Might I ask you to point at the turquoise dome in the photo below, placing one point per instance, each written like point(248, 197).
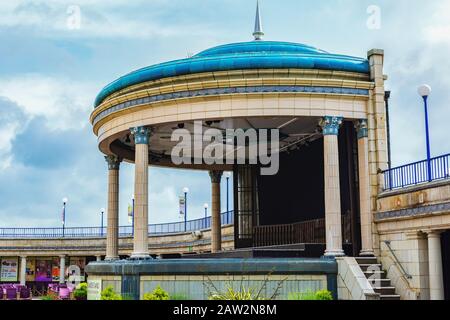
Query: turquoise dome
point(241, 56)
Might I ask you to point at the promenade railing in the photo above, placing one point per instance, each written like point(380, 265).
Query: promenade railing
point(124, 231)
point(417, 173)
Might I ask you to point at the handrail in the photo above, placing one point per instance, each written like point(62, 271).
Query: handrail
point(397, 261)
point(417, 173)
point(227, 218)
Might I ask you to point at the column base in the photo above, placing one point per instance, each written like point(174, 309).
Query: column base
point(334, 253)
point(112, 258)
point(367, 253)
point(140, 256)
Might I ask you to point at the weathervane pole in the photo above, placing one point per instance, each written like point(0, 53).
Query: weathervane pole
point(258, 34)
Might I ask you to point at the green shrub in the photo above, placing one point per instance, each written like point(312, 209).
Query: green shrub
point(157, 294)
point(49, 297)
point(319, 295)
point(232, 294)
point(80, 292)
point(178, 297)
point(324, 295)
point(109, 294)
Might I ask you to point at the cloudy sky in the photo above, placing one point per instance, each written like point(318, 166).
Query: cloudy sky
point(51, 71)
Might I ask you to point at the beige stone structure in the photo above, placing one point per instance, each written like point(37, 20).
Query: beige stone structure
point(216, 229)
point(338, 99)
point(112, 233)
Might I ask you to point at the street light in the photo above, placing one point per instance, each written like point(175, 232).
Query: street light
point(101, 225)
point(186, 191)
point(228, 175)
point(425, 91)
point(64, 200)
point(206, 214)
point(132, 215)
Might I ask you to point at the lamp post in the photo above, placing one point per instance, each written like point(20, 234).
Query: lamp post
point(206, 214)
point(228, 175)
point(64, 200)
point(132, 215)
point(185, 191)
point(102, 212)
point(425, 91)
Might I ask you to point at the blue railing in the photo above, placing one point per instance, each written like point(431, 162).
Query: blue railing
point(417, 173)
point(124, 231)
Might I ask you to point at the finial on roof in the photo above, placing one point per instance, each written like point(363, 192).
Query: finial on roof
point(258, 34)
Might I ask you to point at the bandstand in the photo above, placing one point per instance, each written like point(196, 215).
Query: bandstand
point(329, 110)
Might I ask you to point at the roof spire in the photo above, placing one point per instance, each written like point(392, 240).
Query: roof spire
point(258, 34)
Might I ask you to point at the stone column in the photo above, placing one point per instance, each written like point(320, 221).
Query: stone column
point(333, 221)
point(216, 225)
point(112, 231)
point(62, 269)
point(99, 258)
point(435, 266)
point(364, 189)
point(140, 244)
point(23, 270)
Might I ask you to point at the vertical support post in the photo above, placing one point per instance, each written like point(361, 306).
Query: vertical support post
point(333, 217)
point(140, 240)
point(216, 226)
point(112, 231)
point(62, 269)
point(436, 277)
point(364, 188)
point(23, 270)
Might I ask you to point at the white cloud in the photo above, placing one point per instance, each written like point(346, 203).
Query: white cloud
point(64, 103)
point(104, 19)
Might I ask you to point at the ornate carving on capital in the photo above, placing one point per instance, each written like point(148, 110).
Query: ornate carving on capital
point(330, 125)
point(141, 135)
point(362, 129)
point(113, 162)
point(216, 176)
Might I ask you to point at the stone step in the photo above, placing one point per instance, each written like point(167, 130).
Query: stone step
point(390, 297)
point(366, 260)
point(385, 291)
point(375, 274)
point(375, 266)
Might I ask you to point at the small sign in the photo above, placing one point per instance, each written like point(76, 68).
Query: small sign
point(182, 202)
point(9, 270)
point(94, 290)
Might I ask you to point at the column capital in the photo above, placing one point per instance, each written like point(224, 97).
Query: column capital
point(433, 233)
point(141, 134)
point(216, 176)
point(330, 125)
point(362, 128)
point(113, 162)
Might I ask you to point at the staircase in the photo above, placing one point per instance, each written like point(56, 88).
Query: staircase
point(370, 267)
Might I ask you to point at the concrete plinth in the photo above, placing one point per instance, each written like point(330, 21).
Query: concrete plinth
point(190, 278)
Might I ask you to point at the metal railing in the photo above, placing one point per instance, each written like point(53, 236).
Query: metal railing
point(124, 231)
point(417, 173)
point(311, 232)
point(397, 261)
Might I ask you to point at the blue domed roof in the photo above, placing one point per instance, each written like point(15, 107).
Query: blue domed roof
point(269, 47)
point(241, 56)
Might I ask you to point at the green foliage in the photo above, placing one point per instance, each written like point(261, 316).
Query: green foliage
point(243, 293)
point(157, 294)
point(49, 297)
point(232, 294)
point(178, 297)
point(324, 295)
point(80, 292)
point(319, 295)
point(109, 294)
